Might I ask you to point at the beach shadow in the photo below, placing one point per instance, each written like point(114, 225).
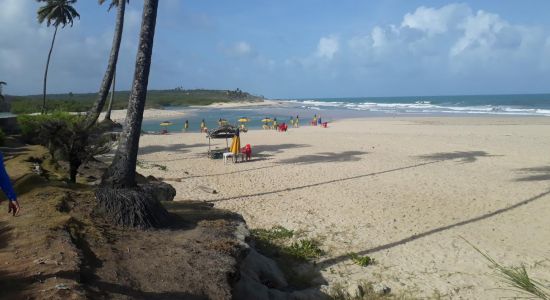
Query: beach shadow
point(461, 156)
point(5, 234)
point(111, 289)
point(264, 151)
point(324, 182)
point(187, 214)
point(539, 174)
point(325, 157)
point(181, 148)
point(488, 215)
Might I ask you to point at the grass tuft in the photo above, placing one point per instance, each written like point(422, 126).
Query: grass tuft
point(305, 249)
point(516, 277)
point(362, 261)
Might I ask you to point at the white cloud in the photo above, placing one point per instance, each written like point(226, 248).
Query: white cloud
point(435, 20)
point(239, 49)
point(328, 47)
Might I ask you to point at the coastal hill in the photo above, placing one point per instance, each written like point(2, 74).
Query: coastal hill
point(155, 99)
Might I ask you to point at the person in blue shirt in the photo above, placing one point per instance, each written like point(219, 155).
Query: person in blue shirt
point(5, 184)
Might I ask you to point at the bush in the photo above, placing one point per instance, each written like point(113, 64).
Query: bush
point(31, 125)
point(65, 137)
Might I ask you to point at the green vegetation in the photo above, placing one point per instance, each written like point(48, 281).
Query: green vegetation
point(517, 278)
point(155, 99)
point(65, 137)
point(294, 256)
point(362, 261)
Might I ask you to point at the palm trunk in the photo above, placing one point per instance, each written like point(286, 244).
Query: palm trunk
point(110, 107)
point(94, 112)
point(46, 72)
point(121, 173)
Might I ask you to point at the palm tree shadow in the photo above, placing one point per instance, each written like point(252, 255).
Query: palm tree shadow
point(263, 151)
point(488, 215)
point(325, 157)
point(461, 156)
point(540, 174)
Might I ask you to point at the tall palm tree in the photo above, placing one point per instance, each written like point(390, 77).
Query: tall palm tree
point(110, 106)
point(109, 76)
point(56, 13)
point(119, 197)
point(2, 83)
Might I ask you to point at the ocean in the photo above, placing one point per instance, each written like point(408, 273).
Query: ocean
point(331, 109)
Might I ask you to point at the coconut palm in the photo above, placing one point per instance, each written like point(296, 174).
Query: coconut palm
point(56, 13)
point(109, 77)
point(119, 196)
point(2, 83)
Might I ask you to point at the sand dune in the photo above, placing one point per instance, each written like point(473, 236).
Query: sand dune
point(402, 190)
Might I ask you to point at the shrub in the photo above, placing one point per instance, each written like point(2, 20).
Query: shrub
point(30, 125)
point(362, 261)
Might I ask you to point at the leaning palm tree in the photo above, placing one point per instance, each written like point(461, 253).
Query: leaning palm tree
point(119, 196)
point(2, 83)
point(109, 77)
point(56, 13)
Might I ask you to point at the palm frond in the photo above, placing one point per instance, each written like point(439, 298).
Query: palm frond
point(57, 12)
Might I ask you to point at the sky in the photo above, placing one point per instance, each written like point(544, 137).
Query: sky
point(293, 48)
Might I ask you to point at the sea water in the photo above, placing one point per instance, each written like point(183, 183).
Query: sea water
point(331, 109)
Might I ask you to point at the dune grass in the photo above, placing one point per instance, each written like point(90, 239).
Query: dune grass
point(516, 277)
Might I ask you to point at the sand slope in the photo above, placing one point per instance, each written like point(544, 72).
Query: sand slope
point(400, 190)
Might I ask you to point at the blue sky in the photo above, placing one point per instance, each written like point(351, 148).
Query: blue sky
point(294, 48)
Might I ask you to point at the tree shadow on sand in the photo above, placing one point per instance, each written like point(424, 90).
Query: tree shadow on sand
point(338, 259)
point(538, 174)
point(180, 148)
point(264, 151)
point(325, 157)
point(461, 156)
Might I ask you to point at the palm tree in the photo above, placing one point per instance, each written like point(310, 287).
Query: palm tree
point(2, 83)
point(109, 77)
point(110, 107)
point(119, 196)
point(56, 13)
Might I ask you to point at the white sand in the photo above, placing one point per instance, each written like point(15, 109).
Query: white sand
point(362, 186)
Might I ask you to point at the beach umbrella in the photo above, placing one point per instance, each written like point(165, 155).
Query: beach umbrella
point(266, 120)
point(166, 124)
point(244, 120)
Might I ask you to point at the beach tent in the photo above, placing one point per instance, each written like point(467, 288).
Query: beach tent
point(222, 132)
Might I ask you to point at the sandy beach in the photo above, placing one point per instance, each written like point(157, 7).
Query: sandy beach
point(401, 190)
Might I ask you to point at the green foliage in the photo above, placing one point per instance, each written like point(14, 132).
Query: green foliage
point(275, 233)
point(517, 278)
point(66, 138)
point(30, 125)
point(57, 12)
point(362, 261)
point(2, 137)
point(155, 99)
point(293, 257)
point(305, 250)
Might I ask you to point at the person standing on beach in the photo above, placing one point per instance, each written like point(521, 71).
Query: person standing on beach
point(7, 188)
point(319, 120)
point(297, 121)
point(275, 123)
point(291, 121)
point(203, 125)
point(186, 125)
point(314, 123)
